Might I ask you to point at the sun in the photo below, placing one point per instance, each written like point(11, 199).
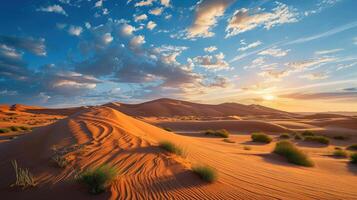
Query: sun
point(269, 97)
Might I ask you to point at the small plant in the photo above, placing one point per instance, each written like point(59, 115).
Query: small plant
point(340, 153)
point(24, 128)
point(307, 133)
point(292, 153)
point(206, 173)
point(284, 136)
point(228, 140)
point(218, 133)
point(340, 137)
point(248, 148)
point(60, 161)
point(98, 179)
point(23, 176)
point(171, 147)
point(168, 129)
point(4, 130)
point(261, 137)
point(353, 158)
point(352, 147)
point(319, 139)
point(14, 128)
point(298, 137)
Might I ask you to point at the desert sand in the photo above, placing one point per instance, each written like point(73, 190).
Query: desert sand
point(105, 135)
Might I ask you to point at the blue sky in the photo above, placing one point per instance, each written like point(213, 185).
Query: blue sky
point(290, 55)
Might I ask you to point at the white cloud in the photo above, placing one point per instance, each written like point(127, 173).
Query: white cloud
point(315, 76)
point(274, 75)
point(210, 49)
point(98, 4)
point(242, 19)
point(54, 8)
point(215, 62)
point(323, 52)
point(87, 25)
point(165, 3)
point(156, 11)
point(144, 3)
point(141, 17)
point(127, 29)
point(137, 41)
point(10, 52)
point(151, 25)
point(168, 16)
point(207, 12)
point(355, 40)
point(275, 52)
point(306, 64)
point(251, 45)
point(107, 38)
point(75, 30)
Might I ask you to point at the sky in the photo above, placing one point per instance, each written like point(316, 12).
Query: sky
point(295, 56)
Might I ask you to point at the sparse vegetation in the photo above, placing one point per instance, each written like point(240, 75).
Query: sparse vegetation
point(23, 176)
point(218, 133)
point(352, 147)
point(24, 128)
point(298, 137)
point(171, 147)
point(247, 148)
point(60, 161)
point(261, 137)
point(340, 153)
point(98, 179)
point(4, 130)
point(284, 136)
point(353, 158)
point(307, 133)
point(14, 128)
point(207, 173)
point(292, 153)
point(168, 129)
point(340, 137)
point(318, 139)
point(228, 140)
point(338, 148)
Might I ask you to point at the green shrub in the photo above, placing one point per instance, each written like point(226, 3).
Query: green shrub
point(168, 129)
point(340, 153)
point(171, 147)
point(353, 158)
point(219, 133)
point(206, 173)
point(292, 153)
point(98, 179)
point(319, 139)
point(352, 147)
point(23, 176)
point(340, 137)
point(284, 136)
point(298, 137)
point(247, 148)
point(24, 128)
point(307, 133)
point(261, 137)
point(228, 140)
point(4, 130)
point(14, 128)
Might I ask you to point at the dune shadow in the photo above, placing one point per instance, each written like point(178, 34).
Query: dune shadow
point(275, 159)
point(253, 143)
point(352, 168)
point(310, 144)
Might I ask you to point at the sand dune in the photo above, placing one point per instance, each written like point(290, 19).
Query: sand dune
point(147, 172)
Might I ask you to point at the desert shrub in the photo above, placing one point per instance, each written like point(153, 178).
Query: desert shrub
point(98, 179)
point(171, 147)
point(261, 137)
point(228, 140)
point(247, 148)
point(14, 128)
point(219, 133)
point(60, 161)
point(206, 173)
point(338, 148)
point(340, 137)
point(292, 153)
point(24, 128)
point(298, 137)
point(284, 136)
point(352, 147)
point(167, 129)
point(4, 130)
point(353, 158)
point(23, 176)
point(319, 139)
point(307, 133)
point(340, 153)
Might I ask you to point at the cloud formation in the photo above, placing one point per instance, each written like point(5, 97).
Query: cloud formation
point(54, 8)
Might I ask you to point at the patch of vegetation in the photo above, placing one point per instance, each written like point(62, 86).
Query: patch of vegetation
point(284, 136)
point(340, 153)
point(353, 158)
point(4, 130)
point(298, 137)
point(24, 128)
point(338, 148)
point(352, 147)
point(218, 133)
point(60, 161)
point(98, 179)
point(292, 153)
point(206, 173)
point(247, 148)
point(307, 133)
point(318, 139)
point(14, 128)
point(168, 129)
point(24, 178)
point(171, 147)
point(340, 137)
point(261, 137)
point(228, 140)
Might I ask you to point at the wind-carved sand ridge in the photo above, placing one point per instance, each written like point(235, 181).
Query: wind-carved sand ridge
point(103, 135)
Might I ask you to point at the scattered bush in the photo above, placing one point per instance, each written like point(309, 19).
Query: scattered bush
point(206, 173)
point(340, 137)
point(284, 136)
point(228, 140)
point(261, 137)
point(352, 147)
point(319, 139)
point(14, 128)
point(171, 147)
point(24, 128)
point(4, 130)
point(298, 137)
point(98, 179)
point(307, 133)
point(219, 133)
point(168, 129)
point(23, 176)
point(247, 148)
point(60, 161)
point(353, 158)
point(340, 153)
point(292, 153)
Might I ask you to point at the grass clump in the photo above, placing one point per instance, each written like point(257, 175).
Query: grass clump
point(23, 176)
point(353, 158)
point(284, 136)
point(318, 139)
point(340, 137)
point(307, 133)
point(352, 147)
point(14, 128)
point(206, 173)
point(171, 147)
point(340, 153)
point(261, 137)
point(98, 179)
point(292, 153)
point(228, 140)
point(60, 161)
point(24, 128)
point(298, 137)
point(218, 133)
point(4, 130)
